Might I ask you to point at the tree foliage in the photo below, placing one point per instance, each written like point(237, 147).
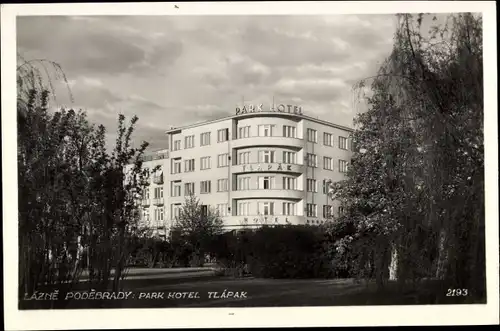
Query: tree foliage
point(197, 226)
point(77, 206)
point(415, 187)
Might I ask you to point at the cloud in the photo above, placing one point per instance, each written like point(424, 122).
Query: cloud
point(177, 70)
point(88, 45)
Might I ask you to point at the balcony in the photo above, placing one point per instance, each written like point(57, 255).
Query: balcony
point(158, 179)
point(159, 156)
point(269, 194)
point(267, 167)
point(268, 141)
point(145, 202)
point(158, 201)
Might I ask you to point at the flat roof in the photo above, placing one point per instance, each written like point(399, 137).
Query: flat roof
point(256, 114)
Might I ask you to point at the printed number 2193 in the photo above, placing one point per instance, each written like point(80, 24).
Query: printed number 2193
point(457, 292)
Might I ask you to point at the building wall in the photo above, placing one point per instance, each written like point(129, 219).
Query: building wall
point(254, 168)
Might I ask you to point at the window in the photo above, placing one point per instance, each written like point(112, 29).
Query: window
point(244, 132)
point(341, 211)
point(311, 185)
point(266, 208)
point(204, 211)
point(189, 142)
point(176, 188)
point(177, 145)
point(222, 185)
point(222, 209)
point(243, 183)
point(146, 194)
point(327, 139)
point(266, 183)
point(342, 142)
point(289, 183)
point(289, 131)
point(266, 156)
point(243, 157)
point(288, 208)
point(205, 163)
point(159, 214)
point(289, 157)
point(327, 163)
point(189, 165)
point(176, 210)
point(223, 160)
point(158, 192)
point(327, 211)
point(326, 186)
point(145, 215)
point(243, 208)
point(222, 135)
point(176, 166)
point(205, 139)
point(312, 160)
point(205, 186)
point(342, 166)
point(266, 130)
point(188, 188)
point(312, 135)
point(311, 210)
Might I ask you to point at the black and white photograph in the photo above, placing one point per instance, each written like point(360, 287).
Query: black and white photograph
point(179, 158)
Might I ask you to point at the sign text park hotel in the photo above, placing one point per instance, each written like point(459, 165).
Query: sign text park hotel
point(260, 166)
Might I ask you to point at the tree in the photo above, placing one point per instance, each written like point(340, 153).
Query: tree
point(75, 199)
point(415, 187)
point(197, 226)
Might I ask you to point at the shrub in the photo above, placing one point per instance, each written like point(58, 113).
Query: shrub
point(276, 252)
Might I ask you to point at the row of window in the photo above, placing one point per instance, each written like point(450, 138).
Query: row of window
point(205, 163)
point(264, 157)
point(264, 130)
point(267, 157)
point(266, 208)
point(243, 209)
point(157, 193)
point(205, 139)
point(243, 183)
point(287, 208)
point(328, 140)
point(312, 210)
point(205, 187)
point(158, 214)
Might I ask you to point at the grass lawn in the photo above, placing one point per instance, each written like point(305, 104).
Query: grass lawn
point(257, 293)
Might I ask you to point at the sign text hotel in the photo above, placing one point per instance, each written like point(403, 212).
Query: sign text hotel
point(281, 108)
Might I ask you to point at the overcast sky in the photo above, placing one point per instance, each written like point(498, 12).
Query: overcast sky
point(177, 70)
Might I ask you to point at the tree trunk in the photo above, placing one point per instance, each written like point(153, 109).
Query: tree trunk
point(442, 256)
point(393, 266)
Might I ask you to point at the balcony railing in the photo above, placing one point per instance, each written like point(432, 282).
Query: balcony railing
point(268, 193)
point(259, 220)
point(159, 156)
point(268, 167)
point(145, 202)
point(158, 201)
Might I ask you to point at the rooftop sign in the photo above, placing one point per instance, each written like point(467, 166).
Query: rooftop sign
point(281, 108)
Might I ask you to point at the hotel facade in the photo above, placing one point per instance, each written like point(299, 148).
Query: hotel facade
point(257, 167)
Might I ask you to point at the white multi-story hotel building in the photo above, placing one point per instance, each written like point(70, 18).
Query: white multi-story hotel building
point(256, 167)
